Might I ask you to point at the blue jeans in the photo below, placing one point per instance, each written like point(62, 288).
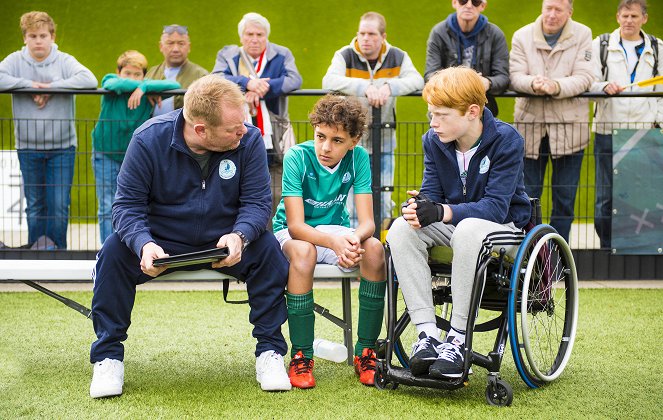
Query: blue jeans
point(47, 177)
point(603, 183)
point(564, 184)
point(105, 174)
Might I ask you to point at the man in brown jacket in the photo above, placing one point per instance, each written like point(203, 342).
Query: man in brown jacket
point(175, 46)
point(551, 58)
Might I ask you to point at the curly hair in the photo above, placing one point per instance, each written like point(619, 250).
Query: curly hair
point(338, 110)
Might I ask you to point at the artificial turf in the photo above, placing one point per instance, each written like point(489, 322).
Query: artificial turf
point(189, 355)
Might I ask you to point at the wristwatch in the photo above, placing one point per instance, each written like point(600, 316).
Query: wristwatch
point(242, 236)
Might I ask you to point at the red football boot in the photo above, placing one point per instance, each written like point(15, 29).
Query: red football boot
point(301, 371)
point(365, 367)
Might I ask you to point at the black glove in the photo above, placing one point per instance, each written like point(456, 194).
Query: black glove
point(428, 211)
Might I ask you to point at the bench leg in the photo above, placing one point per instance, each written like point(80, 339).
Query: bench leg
point(347, 318)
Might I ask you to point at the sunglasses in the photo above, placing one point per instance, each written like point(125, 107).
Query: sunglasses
point(169, 29)
point(475, 3)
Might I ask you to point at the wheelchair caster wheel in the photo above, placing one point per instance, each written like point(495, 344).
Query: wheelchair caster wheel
point(381, 381)
point(499, 393)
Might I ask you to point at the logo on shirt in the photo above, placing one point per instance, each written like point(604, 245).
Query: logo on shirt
point(346, 178)
point(484, 165)
point(227, 169)
point(311, 175)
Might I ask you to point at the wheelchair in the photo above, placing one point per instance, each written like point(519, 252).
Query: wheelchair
point(535, 297)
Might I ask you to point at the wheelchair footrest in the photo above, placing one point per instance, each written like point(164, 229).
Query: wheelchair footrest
point(405, 377)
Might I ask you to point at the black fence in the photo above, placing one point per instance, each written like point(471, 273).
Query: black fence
point(83, 231)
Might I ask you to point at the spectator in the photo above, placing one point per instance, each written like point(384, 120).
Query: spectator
point(162, 207)
point(312, 225)
point(44, 126)
point(629, 57)
point(175, 47)
point(472, 198)
point(371, 68)
point(551, 58)
point(466, 38)
point(121, 113)
point(266, 72)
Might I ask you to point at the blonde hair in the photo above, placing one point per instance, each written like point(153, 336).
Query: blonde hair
point(35, 20)
point(382, 23)
point(205, 97)
point(456, 88)
point(132, 58)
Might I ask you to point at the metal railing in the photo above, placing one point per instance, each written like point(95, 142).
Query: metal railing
point(83, 230)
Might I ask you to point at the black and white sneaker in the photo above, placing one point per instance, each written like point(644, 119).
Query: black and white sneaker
point(450, 361)
point(424, 353)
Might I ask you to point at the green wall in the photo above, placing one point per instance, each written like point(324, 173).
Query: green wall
point(97, 32)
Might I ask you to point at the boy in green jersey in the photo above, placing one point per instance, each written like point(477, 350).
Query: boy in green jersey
point(312, 225)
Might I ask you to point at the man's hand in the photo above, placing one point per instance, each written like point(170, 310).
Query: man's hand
point(149, 253)
point(485, 81)
point(613, 88)
point(259, 86)
point(253, 99)
point(378, 96)
point(235, 248)
point(545, 86)
point(134, 99)
point(348, 250)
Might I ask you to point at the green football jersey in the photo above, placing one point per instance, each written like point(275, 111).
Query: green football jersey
point(324, 190)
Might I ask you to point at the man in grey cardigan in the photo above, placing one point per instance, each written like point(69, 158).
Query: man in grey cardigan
point(44, 126)
point(466, 38)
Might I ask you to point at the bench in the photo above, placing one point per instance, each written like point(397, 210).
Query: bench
point(81, 270)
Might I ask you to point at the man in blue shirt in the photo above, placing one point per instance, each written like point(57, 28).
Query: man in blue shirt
point(191, 180)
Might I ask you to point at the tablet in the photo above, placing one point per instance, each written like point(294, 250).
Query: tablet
point(191, 258)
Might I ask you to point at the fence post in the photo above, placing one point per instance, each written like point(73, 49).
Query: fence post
point(375, 140)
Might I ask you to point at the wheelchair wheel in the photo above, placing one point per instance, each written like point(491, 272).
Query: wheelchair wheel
point(543, 306)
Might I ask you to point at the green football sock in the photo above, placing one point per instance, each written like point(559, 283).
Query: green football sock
point(371, 311)
point(301, 322)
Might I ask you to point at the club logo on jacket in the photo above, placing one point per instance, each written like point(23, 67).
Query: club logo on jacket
point(227, 169)
point(484, 165)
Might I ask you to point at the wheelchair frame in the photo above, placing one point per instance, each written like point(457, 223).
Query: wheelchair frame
point(525, 281)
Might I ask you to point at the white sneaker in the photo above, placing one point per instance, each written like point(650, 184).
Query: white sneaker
point(107, 378)
point(270, 372)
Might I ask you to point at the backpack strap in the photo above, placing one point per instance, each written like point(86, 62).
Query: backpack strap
point(654, 47)
point(603, 39)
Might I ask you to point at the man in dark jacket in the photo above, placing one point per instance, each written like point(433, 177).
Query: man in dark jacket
point(467, 38)
point(191, 180)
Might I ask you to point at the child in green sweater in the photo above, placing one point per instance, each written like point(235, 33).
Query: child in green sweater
point(312, 224)
point(122, 112)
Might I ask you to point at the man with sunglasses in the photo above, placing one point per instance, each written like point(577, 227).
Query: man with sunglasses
point(175, 47)
point(466, 38)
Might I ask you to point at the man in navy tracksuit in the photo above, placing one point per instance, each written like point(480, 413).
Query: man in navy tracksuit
point(472, 198)
point(192, 179)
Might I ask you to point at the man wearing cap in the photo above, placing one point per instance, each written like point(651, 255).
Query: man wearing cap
point(175, 47)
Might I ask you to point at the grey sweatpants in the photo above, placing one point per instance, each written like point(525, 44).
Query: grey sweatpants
point(470, 239)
